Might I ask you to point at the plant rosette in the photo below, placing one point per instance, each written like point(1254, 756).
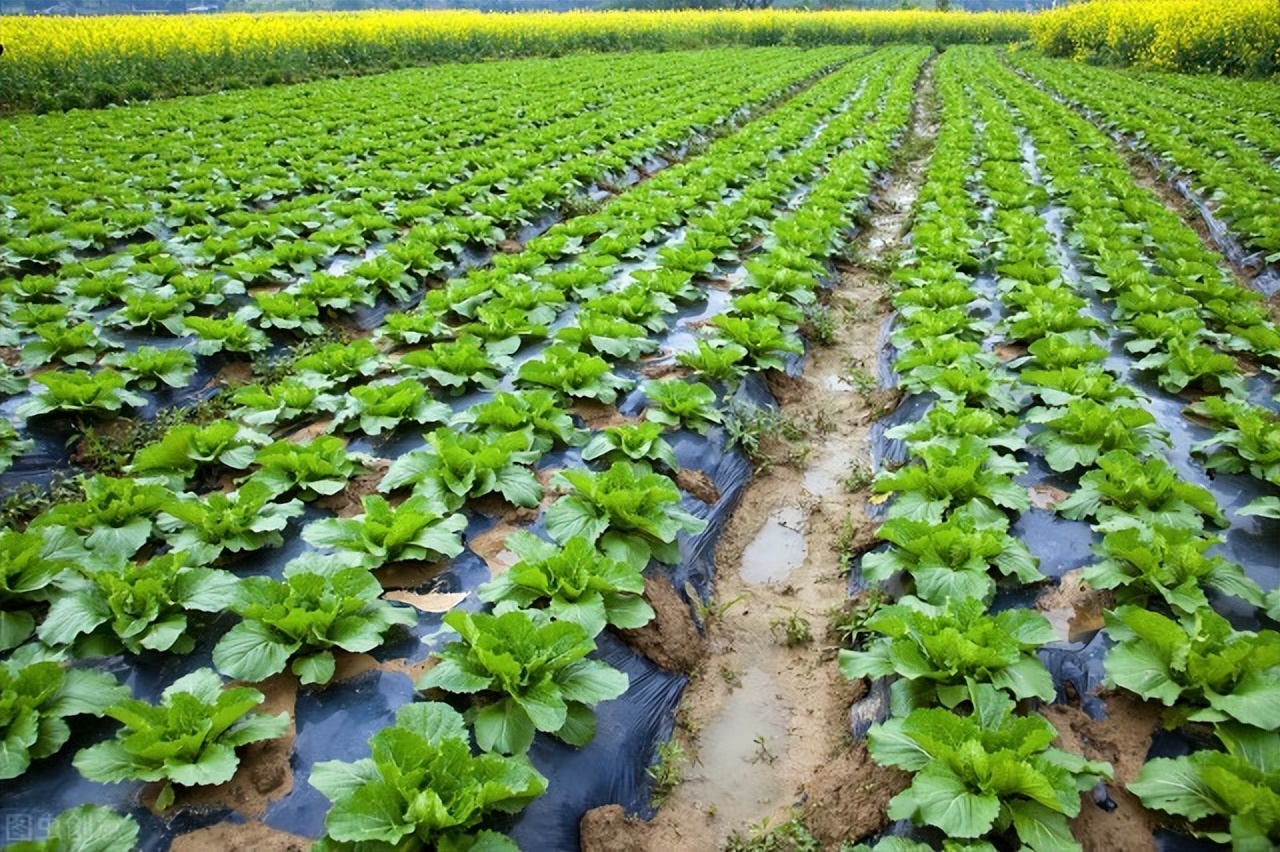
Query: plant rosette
point(190, 738)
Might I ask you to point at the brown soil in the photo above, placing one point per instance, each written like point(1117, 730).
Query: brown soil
point(1075, 608)
point(766, 723)
point(697, 484)
point(1122, 739)
point(348, 502)
point(409, 574)
point(849, 796)
point(597, 415)
point(248, 837)
point(671, 639)
point(265, 773)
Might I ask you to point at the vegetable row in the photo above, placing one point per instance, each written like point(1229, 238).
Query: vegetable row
point(132, 566)
point(1229, 151)
point(1009, 163)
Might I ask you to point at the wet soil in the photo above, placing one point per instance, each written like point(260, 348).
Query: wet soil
point(765, 719)
point(1122, 739)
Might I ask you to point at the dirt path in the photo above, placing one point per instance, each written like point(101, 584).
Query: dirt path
point(764, 724)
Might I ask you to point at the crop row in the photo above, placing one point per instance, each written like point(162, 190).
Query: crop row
point(1028, 215)
point(60, 63)
point(129, 568)
point(231, 277)
point(1228, 148)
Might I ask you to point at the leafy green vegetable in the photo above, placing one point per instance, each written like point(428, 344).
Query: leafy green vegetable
point(148, 367)
point(1247, 438)
point(1241, 785)
point(630, 511)
point(61, 341)
point(190, 738)
point(456, 465)
point(1125, 491)
point(990, 771)
point(461, 363)
point(537, 410)
point(184, 449)
point(382, 406)
point(36, 696)
point(679, 403)
point(539, 671)
point(134, 606)
point(1201, 668)
point(953, 558)
point(631, 442)
point(1170, 562)
point(225, 334)
point(576, 583)
point(115, 518)
point(319, 467)
point(79, 390)
point(341, 362)
point(609, 335)
point(763, 337)
point(11, 446)
point(573, 373)
point(283, 401)
point(947, 423)
point(302, 618)
point(940, 652)
point(246, 519)
point(29, 563)
point(717, 360)
point(420, 528)
point(951, 476)
point(1075, 435)
point(86, 828)
point(422, 788)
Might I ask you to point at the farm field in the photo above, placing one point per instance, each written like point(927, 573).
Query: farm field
point(883, 441)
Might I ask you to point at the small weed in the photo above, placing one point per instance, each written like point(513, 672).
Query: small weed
point(707, 611)
point(844, 545)
point(29, 499)
point(748, 426)
point(790, 836)
point(850, 622)
point(863, 382)
point(763, 755)
point(820, 325)
point(860, 476)
point(824, 422)
point(667, 771)
point(731, 677)
point(792, 629)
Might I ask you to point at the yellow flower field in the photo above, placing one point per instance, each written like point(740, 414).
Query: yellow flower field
point(52, 61)
point(1192, 36)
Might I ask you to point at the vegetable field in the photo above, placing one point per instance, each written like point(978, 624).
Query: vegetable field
point(365, 440)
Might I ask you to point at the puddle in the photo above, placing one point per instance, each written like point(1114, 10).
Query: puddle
point(734, 777)
point(831, 468)
point(778, 548)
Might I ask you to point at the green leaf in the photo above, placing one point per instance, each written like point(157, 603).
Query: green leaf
point(504, 728)
point(945, 802)
point(316, 668)
point(251, 651)
point(1041, 829)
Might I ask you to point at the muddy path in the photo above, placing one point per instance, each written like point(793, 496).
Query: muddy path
point(764, 723)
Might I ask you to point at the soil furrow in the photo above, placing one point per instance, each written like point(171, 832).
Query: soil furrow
point(764, 723)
